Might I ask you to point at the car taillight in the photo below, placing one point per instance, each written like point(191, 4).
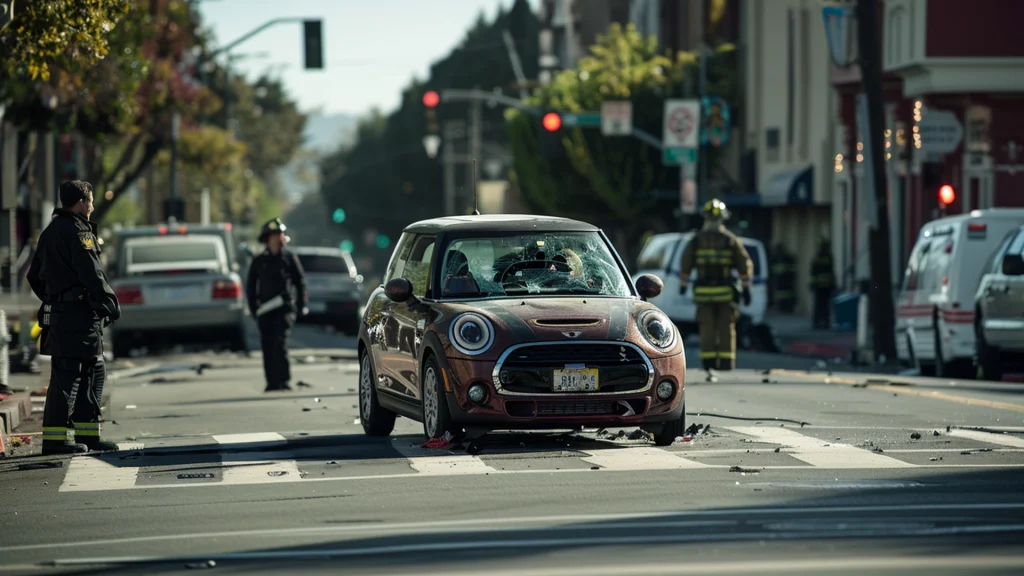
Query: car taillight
point(224, 290)
point(129, 295)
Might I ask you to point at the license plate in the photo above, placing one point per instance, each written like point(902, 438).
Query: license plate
point(576, 380)
point(181, 294)
point(317, 306)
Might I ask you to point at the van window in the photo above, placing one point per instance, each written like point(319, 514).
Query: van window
point(755, 256)
point(323, 264)
point(935, 264)
point(915, 263)
point(654, 256)
point(172, 252)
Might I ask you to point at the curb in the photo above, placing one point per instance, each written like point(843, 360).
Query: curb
point(13, 410)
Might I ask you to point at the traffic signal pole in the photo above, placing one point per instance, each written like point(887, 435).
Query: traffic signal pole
point(881, 267)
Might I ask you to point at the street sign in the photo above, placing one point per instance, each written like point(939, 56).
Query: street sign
point(688, 196)
point(680, 131)
point(431, 143)
point(617, 118)
point(941, 132)
point(582, 120)
point(716, 120)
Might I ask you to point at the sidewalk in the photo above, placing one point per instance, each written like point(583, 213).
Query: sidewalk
point(794, 335)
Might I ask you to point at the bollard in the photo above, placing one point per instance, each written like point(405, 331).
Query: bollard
point(862, 322)
point(5, 360)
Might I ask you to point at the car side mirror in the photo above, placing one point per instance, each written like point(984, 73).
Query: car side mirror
point(649, 286)
point(1013, 265)
point(398, 290)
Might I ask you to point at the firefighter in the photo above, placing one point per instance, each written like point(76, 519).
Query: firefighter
point(276, 293)
point(784, 279)
point(823, 284)
point(77, 305)
point(715, 253)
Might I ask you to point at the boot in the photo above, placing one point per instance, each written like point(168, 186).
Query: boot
point(54, 448)
point(101, 446)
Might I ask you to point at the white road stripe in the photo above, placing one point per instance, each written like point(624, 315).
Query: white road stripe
point(241, 469)
point(269, 438)
point(819, 453)
point(639, 458)
point(443, 465)
point(89, 473)
point(989, 437)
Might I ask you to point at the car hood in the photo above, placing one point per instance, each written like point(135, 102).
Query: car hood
point(557, 319)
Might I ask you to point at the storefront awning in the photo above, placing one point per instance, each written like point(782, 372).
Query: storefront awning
point(790, 187)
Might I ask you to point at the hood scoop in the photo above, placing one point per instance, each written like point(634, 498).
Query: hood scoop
point(567, 322)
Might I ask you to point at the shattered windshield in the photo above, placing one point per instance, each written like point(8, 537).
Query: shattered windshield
point(553, 263)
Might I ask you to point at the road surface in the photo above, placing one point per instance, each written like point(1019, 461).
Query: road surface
point(790, 472)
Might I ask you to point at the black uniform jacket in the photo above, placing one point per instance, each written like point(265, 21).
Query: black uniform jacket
point(66, 274)
point(276, 275)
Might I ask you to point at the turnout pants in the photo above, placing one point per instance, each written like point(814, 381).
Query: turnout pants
point(717, 321)
point(822, 302)
point(275, 327)
point(73, 400)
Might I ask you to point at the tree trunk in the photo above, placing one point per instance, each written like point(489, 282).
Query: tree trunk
point(153, 148)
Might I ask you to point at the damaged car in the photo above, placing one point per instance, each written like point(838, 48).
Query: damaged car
point(516, 322)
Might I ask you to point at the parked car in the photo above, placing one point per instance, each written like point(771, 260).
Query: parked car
point(177, 289)
point(335, 288)
point(513, 322)
point(662, 257)
point(999, 310)
point(935, 309)
point(222, 230)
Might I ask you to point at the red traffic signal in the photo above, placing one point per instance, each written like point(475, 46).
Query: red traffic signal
point(946, 195)
point(552, 121)
point(431, 99)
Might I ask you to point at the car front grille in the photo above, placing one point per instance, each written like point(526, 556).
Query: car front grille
point(529, 368)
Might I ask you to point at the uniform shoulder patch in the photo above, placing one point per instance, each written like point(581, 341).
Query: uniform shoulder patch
point(86, 239)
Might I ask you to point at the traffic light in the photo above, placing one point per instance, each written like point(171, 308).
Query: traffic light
point(347, 246)
point(339, 216)
point(947, 195)
point(313, 41)
point(551, 146)
point(383, 241)
point(431, 99)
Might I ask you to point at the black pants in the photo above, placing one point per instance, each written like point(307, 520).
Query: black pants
point(73, 400)
point(822, 308)
point(275, 327)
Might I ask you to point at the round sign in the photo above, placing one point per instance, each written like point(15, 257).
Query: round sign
point(681, 122)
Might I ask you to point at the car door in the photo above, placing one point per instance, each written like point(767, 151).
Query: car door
point(408, 319)
point(382, 325)
point(990, 296)
point(1004, 320)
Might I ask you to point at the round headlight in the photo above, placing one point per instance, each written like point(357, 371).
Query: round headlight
point(665, 390)
point(657, 328)
point(471, 334)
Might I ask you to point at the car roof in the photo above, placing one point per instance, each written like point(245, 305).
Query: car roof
point(500, 223)
point(317, 250)
point(177, 238)
point(988, 214)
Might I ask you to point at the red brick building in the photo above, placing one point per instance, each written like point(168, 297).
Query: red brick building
point(965, 58)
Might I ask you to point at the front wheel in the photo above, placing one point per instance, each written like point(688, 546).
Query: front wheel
point(376, 420)
point(437, 420)
point(671, 430)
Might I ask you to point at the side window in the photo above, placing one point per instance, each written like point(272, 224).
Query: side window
point(396, 268)
point(653, 256)
point(1017, 246)
point(916, 262)
point(995, 261)
point(417, 268)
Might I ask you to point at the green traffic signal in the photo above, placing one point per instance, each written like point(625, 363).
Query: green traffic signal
point(383, 241)
point(339, 216)
point(347, 246)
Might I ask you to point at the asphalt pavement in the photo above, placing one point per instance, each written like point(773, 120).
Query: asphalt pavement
point(787, 468)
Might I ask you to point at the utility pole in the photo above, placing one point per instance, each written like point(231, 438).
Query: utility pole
point(475, 134)
point(702, 150)
point(448, 159)
point(881, 269)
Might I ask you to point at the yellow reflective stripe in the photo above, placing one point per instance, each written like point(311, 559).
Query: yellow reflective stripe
point(86, 425)
point(712, 289)
point(90, 433)
point(727, 355)
point(712, 299)
point(55, 433)
point(708, 355)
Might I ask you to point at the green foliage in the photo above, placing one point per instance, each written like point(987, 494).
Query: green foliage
point(209, 158)
point(122, 211)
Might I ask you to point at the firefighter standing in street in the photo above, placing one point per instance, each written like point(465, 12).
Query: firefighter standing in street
point(715, 253)
point(823, 284)
point(77, 305)
point(784, 279)
point(276, 292)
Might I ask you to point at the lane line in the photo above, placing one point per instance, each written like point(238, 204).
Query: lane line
point(269, 438)
point(936, 395)
point(639, 458)
point(819, 453)
point(989, 437)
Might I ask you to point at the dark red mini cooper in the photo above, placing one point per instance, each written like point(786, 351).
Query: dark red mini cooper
point(515, 322)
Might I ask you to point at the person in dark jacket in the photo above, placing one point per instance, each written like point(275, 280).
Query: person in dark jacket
point(276, 294)
point(823, 284)
point(77, 305)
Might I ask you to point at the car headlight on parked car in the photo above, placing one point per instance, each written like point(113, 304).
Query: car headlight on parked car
point(471, 334)
point(657, 328)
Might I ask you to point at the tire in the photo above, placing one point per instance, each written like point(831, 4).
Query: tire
point(436, 418)
point(238, 342)
point(376, 420)
point(120, 346)
point(941, 367)
point(989, 361)
point(671, 430)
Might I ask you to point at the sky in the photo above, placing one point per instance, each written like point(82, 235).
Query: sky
point(372, 48)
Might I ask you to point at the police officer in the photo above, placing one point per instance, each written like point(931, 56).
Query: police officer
point(715, 253)
point(77, 304)
point(784, 279)
point(276, 292)
point(823, 284)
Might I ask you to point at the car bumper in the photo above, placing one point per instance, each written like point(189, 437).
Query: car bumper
point(196, 317)
point(547, 411)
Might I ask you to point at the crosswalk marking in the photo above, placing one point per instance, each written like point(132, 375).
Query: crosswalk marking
point(261, 438)
point(819, 453)
point(639, 458)
point(451, 465)
point(989, 437)
point(242, 469)
point(87, 474)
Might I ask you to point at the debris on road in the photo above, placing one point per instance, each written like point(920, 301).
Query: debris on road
point(877, 450)
point(200, 565)
point(40, 465)
point(194, 476)
point(277, 473)
point(935, 433)
point(935, 458)
point(307, 409)
point(303, 384)
point(975, 450)
point(744, 470)
point(915, 436)
point(777, 450)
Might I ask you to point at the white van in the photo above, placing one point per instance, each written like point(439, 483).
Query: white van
point(935, 306)
point(661, 257)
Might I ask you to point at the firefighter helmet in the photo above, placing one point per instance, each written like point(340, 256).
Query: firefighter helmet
point(274, 226)
point(715, 210)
